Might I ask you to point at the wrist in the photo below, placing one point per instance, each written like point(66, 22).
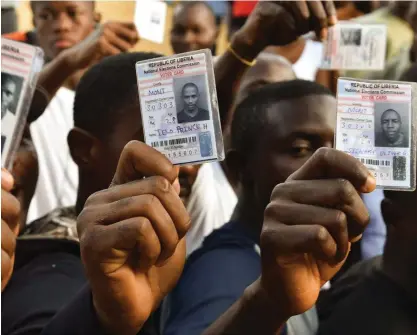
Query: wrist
point(245, 46)
point(269, 315)
point(65, 58)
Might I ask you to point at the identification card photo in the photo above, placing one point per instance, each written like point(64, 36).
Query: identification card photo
point(376, 124)
point(354, 46)
point(20, 67)
point(179, 107)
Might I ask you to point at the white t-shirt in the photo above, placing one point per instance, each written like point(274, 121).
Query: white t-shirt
point(211, 204)
point(308, 64)
point(58, 175)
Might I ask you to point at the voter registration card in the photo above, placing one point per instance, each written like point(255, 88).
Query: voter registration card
point(354, 46)
point(376, 123)
point(20, 68)
point(179, 107)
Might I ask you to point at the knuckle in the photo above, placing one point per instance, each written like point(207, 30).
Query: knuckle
point(323, 153)
point(160, 184)
point(280, 191)
point(340, 220)
point(320, 233)
point(346, 191)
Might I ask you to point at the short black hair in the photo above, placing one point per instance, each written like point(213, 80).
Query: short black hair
point(105, 91)
point(33, 2)
point(250, 116)
point(189, 4)
point(189, 85)
point(389, 111)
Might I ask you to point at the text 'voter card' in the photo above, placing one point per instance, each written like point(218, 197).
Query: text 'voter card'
point(376, 124)
point(179, 107)
point(353, 46)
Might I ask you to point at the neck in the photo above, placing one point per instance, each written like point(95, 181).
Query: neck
point(85, 189)
point(192, 112)
point(404, 272)
point(248, 214)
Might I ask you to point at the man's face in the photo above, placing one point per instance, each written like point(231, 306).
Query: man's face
point(190, 96)
point(8, 90)
point(193, 29)
point(296, 129)
point(62, 24)
point(391, 125)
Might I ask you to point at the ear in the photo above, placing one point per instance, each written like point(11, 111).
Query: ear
point(97, 18)
point(235, 163)
point(85, 148)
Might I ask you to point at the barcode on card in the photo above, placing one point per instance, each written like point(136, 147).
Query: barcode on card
point(375, 162)
point(176, 141)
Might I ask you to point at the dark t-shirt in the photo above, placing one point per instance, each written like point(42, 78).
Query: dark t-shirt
point(202, 115)
point(367, 302)
point(214, 278)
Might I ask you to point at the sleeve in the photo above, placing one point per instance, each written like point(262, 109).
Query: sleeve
point(208, 287)
point(76, 318)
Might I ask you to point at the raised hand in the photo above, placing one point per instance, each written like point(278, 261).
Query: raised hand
point(131, 238)
point(109, 39)
point(282, 22)
point(10, 214)
point(308, 228)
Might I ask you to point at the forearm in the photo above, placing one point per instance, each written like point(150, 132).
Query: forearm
point(55, 73)
point(251, 314)
point(228, 71)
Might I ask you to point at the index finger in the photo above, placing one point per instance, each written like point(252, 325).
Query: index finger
point(139, 160)
point(329, 163)
point(128, 31)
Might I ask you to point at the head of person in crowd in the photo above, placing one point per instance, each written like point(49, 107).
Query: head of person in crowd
point(106, 117)
point(9, 90)
point(347, 10)
point(62, 24)
point(194, 27)
point(274, 132)
point(269, 68)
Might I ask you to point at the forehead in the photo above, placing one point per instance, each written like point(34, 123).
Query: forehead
point(190, 90)
point(310, 115)
point(390, 115)
point(9, 83)
point(196, 13)
point(61, 5)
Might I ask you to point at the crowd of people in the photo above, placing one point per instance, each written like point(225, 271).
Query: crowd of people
point(101, 234)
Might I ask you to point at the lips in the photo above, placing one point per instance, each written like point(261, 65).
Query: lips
point(63, 44)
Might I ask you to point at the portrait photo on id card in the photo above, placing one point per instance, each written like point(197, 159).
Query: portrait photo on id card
point(191, 99)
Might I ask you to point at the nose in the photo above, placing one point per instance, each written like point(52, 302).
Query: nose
point(61, 23)
point(189, 37)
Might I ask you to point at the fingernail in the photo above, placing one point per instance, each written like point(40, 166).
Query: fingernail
point(370, 184)
point(356, 239)
point(333, 20)
point(323, 34)
point(6, 179)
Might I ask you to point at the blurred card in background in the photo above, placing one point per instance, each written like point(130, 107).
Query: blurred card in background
point(353, 46)
point(150, 17)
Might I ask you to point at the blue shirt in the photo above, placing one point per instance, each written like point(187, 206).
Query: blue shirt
point(214, 277)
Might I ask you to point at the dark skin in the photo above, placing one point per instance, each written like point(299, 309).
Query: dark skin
point(308, 227)
point(72, 39)
point(194, 28)
point(10, 215)
point(400, 213)
point(296, 129)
